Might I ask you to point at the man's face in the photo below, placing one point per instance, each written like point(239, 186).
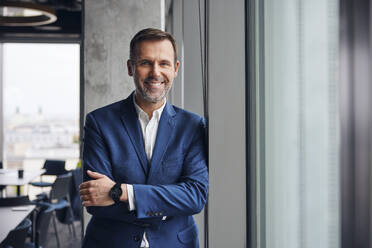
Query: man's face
point(153, 70)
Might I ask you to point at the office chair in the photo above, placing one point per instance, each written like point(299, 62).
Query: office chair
point(3, 187)
point(59, 199)
point(2, 190)
point(45, 213)
point(52, 168)
point(42, 226)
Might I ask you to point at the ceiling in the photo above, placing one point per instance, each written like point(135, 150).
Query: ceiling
point(67, 27)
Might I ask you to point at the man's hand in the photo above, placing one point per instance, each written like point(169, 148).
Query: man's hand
point(96, 192)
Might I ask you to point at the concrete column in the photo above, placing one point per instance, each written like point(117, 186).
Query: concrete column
point(109, 26)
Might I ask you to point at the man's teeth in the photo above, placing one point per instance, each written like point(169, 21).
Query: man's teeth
point(155, 83)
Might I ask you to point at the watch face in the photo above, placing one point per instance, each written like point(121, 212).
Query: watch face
point(115, 193)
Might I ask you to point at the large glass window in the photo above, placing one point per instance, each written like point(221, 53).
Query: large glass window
point(40, 103)
point(299, 164)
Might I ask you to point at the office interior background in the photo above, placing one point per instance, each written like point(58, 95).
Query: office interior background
point(284, 85)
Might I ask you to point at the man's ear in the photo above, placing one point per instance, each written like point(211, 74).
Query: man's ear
point(130, 67)
point(176, 66)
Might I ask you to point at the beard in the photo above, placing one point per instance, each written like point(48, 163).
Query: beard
point(146, 92)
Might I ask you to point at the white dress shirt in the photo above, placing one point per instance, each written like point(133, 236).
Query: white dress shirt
point(149, 130)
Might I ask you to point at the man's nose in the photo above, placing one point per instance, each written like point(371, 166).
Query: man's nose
point(156, 70)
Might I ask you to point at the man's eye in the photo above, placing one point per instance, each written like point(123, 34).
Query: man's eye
point(145, 62)
point(164, 64)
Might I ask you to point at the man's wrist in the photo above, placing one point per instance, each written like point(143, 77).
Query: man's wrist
point(124, 195)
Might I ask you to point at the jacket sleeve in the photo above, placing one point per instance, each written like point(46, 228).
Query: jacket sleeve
point(188, 196)
point(96, 158)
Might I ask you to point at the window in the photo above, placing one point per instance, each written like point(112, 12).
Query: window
point(40, 103)
point(299, 158)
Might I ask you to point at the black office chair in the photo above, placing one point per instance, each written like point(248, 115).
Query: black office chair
point(59, 199)
point(42, 226)
point(45, 213)
point(15, 201)
point(52, 168)
point(17, 237)
point(2, 190)
point(2, 187)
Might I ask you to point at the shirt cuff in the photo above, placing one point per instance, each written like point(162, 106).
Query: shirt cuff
point(131, 199)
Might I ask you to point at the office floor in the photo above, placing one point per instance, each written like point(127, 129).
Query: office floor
point(66, 238)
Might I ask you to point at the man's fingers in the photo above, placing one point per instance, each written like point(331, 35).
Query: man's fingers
point(95, 175)
point(88, 184)
point(84, 185)
point(84, 192)
point(84, 198)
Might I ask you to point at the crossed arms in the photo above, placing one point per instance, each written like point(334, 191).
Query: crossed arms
point(186, 197)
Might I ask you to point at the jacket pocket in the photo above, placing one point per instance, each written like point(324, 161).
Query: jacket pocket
point(187, 235)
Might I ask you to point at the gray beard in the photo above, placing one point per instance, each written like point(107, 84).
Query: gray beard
point(149, 98)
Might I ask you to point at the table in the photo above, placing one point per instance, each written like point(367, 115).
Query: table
point(10, 218)
point(10, 178)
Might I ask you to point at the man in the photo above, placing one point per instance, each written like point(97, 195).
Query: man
point(144, 159)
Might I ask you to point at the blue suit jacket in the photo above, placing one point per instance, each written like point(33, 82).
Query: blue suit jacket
point(173, 184)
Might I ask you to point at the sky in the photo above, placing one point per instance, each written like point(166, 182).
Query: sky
point(41, 76)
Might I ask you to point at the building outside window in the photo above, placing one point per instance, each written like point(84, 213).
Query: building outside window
point(40, 104)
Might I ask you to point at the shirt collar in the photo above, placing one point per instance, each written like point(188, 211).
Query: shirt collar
point(142, 114)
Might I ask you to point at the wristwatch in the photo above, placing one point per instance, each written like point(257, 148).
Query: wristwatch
point(115, 192)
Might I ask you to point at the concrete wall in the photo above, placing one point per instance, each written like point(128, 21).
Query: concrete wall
point(109, 27)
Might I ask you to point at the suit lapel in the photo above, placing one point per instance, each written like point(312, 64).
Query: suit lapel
point(165, 129)
point(130, 121)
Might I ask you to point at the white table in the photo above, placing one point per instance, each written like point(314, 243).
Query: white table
point(10, 178)
point(10, 218)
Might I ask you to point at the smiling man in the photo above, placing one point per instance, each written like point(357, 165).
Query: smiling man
point(145, 159)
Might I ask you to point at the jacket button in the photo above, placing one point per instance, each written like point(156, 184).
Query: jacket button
point(136, 238)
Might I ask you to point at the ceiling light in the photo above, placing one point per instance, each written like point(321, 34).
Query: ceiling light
point(25, 14)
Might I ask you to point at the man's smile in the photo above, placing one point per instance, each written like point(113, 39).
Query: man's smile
point(154, 84)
